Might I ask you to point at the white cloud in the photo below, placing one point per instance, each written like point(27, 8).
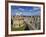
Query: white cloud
point(21, 9)
point(18, 13)
point(36, 8)
point(30, 10)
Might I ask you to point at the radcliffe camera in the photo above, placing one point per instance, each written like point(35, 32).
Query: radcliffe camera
point(25, 18)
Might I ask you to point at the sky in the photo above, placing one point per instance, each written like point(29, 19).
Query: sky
point(25, 10)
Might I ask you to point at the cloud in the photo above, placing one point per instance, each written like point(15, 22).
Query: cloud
point(30, 10)
point(18, 13)
point(36, 8)
point(21, 9)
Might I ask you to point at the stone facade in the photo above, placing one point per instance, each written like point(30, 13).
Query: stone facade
point(23, 21)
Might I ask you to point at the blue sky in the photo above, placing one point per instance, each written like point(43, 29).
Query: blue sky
point(25, 10)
